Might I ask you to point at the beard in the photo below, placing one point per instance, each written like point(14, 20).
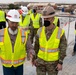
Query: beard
point(12, 32)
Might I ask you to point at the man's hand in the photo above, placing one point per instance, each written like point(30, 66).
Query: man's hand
point(59, 67)
point(34, 62)
point(32, 59)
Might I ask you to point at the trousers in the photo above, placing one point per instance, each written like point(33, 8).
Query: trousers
point(13, 70)
point(33, 33)
point(44, 67)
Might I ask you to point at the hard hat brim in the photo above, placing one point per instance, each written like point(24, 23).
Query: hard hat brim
point(13, 19)
point(48, 16)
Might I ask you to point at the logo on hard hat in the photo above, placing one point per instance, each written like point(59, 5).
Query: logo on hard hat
point(15, 16)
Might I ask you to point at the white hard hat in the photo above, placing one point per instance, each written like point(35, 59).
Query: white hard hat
point(24, 10)
point(13, 15)
point(28, 5)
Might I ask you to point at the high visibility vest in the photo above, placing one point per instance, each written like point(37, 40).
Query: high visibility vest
point(48, 50)
point(9, 58)
point(30, 11)
point(55, 21)
point(2, 16)
point(35, 20)
point(25, 22)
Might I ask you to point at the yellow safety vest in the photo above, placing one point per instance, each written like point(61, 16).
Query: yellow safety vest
point(49, 49)
point(2, 16)
point(55, 21)
point(8, 58)
point(35, 20)
point(30, 11)
point(25, 22)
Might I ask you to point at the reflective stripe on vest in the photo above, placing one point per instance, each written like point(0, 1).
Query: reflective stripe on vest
point(49, 50)
point(10, 62)
point(19, 61)
point(23, 35)
point(6, 61)
point(2, 35)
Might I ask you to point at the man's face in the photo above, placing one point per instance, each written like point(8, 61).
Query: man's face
point(13, 25)
point(48, 21)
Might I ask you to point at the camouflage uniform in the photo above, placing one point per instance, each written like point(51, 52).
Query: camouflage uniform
point(45, 66)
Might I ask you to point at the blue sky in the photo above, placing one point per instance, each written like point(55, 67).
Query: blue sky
point(56, 1)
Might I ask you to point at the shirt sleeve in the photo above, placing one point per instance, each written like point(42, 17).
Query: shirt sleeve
point(29, 48)
point(62, 48)
point(36, 46)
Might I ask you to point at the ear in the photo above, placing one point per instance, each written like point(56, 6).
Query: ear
point(52, 19)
